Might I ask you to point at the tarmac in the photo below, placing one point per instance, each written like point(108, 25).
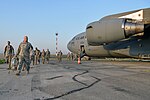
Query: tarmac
point(67, 80)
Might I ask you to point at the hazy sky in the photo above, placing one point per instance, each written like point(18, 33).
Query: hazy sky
point(41, 19)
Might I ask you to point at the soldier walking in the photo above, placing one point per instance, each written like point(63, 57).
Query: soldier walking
point(72, 56)
point(43, 56)
point(69, 56)
point(37, 56)
point(59, 56)
point(8, 54)
point(47, 55)
point(23, 52)
point(32, 57)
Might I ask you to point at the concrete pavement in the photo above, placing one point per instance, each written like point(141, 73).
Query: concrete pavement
point(91, 80)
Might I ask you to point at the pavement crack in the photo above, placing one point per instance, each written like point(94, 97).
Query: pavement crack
point(76, 90)
point(53, 77)
point(74, 78)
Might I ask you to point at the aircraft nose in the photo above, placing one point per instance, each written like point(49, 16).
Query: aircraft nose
point(69, 46)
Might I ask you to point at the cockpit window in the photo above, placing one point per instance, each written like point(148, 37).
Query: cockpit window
point(77, 38)
point(89, 27)
point(82, 37)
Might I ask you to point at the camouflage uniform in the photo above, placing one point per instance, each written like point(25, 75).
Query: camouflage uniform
point(43, 56)
point(47, 55)
point(32, 57)
point(59, 56)
point(69, 56)
point(24, 55)
point(37, 56)
point(8, 54)
point(72, 56)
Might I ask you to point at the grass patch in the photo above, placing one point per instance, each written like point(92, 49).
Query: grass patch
point(2, 61)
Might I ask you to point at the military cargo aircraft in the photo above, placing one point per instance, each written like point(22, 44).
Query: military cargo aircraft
point(119, 35)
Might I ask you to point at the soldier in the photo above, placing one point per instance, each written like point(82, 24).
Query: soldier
point(24, 55)
point(32, 57)
point(75, 57)
point(59, 56)
point(8, 54)
point(43, 56)
point(37, 55)
point(47, 55)
point(79, 54)
point(68, 56)
point(72, 56)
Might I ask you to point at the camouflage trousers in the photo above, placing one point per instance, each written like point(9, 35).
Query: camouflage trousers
point(33, 59)
point(43, 60)
point(37, 60)
point(8, 60)
point(47, 59)
point(24, 61)
point(59, 59)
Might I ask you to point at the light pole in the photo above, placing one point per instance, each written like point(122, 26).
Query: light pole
point(56, 43)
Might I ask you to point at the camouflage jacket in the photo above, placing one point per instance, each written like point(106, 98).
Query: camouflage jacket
point(24, 49)
point(47, 54)
point(9, 50)
point(37, 53)
point(43, 53)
